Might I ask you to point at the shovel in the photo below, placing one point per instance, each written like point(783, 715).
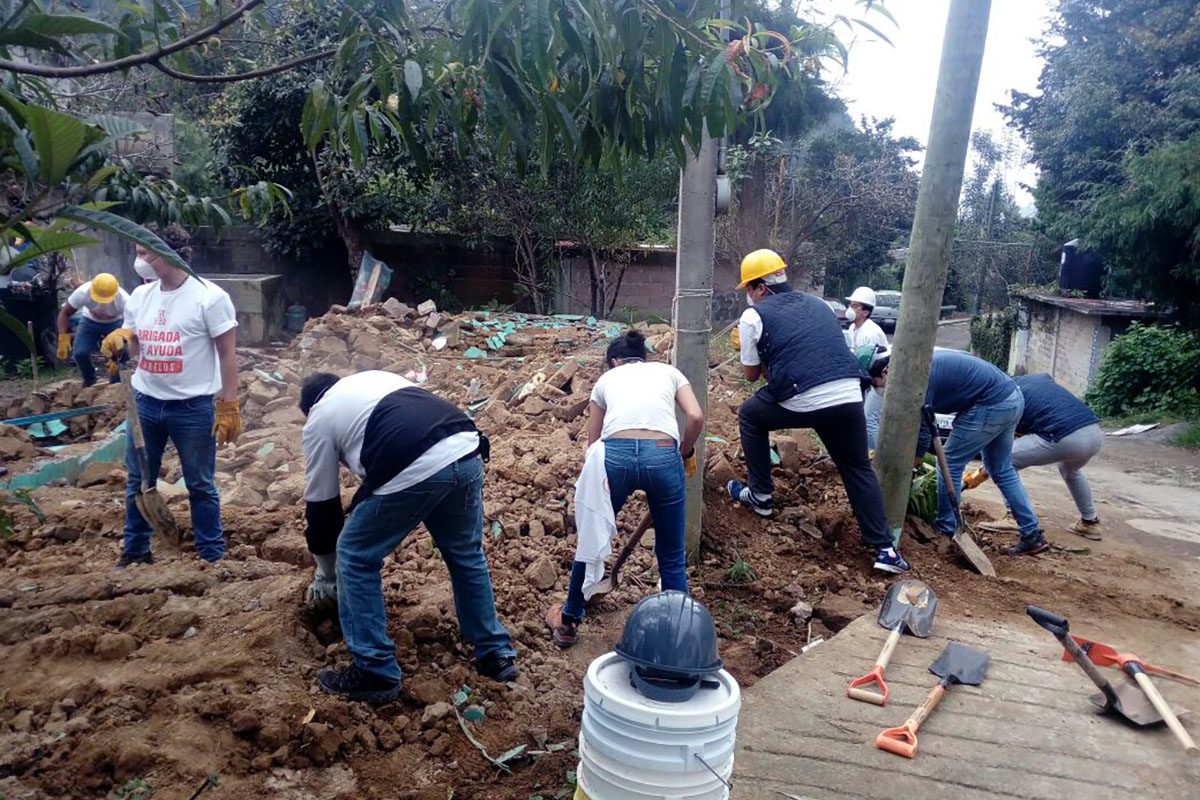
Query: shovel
point(957, 664)
point(610, 581)
point(962, 537)
point(1122, 698)
point(1105, 655)
point(908, 604)
point(152, 505)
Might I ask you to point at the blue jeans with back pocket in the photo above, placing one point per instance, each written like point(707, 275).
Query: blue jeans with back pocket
point(655, 467)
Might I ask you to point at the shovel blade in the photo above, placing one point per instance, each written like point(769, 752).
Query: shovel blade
point(1131, 703)
point(909, 604)
point(970, 550)
point(961, 664)
point(154, 510)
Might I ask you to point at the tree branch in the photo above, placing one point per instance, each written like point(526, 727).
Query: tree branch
point(138, 60)
point(244, 76)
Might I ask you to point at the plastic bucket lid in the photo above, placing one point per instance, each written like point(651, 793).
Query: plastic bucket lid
point(607, 686)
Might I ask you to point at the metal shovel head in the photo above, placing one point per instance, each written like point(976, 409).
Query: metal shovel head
point(154, 509)
point(909, 604)
point(1130, 702)
point(960, 664)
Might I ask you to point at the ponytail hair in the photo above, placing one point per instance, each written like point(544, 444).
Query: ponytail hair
point(631, 345)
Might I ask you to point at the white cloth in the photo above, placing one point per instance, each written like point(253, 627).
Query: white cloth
point(177, 357)
point(333, 435)
point(81, 299)
point(595, 522)
point(824, 395)
point(639, 396)
point(869, 333)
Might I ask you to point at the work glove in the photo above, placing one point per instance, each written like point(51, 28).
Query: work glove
point(689, 464)
point(116, 345)
point(228, 425)
point(322, 592)
point(735, 338)
point(64, 346)
point(974, 478)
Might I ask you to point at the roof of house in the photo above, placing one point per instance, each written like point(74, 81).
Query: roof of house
point(1100, 307)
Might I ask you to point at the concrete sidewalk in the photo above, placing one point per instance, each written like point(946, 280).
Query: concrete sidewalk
point(1029, 731)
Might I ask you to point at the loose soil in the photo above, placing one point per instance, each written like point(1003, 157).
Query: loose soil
point(175, 671)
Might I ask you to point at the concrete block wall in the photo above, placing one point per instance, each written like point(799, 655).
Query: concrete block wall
point(1073, 358)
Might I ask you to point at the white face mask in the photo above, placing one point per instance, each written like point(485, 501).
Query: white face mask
point(749, 299)
point(851, 314)
point(142, 267)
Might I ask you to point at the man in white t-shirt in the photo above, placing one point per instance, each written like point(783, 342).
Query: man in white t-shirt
point(863, 330)
point(101, 306)
point(180, 331)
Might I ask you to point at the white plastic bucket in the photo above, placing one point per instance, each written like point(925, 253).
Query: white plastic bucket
point(635, 748)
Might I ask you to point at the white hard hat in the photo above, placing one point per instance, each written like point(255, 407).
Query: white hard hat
point(864, 295)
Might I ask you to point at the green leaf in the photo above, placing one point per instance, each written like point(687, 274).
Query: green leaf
point(18, 328)
point(413, 78)
point(128, 229)
point(872, 29)
point(65, 25)
point(539, 30)
point(116, 127)
point(57, 138)
point(29, 162)
point(34, 41)
point(567, 119)
point(46, 241)
point(509, 755)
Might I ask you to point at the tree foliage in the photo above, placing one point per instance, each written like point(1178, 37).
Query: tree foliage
point(1119, 85)
point(1148, 368)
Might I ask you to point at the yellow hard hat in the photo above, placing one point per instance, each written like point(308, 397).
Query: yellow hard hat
point(760, 264)
point(104, 288)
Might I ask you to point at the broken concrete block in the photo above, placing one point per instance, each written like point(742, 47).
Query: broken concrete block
point(541, 573)
point(433, 323)
point(566, 372)
point(571, 410)
point(426, 308)
point(397, 310)
point(98, 473)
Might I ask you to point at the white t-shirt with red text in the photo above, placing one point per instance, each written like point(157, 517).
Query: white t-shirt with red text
point(177, 357)
point(81, 298)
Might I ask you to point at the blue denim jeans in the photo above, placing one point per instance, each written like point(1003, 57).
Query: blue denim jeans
point(188, 423)
point(450, 503)
point(655, 467)
point(988, 429)
point(88, 335)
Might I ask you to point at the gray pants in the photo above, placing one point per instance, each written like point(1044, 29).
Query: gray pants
point(1071, 453)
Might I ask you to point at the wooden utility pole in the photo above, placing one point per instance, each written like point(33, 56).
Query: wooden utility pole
point(929, 250)
point(693, 303)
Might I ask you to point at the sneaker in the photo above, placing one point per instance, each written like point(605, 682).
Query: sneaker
point(355, 683)
point(1005, 523)
point(1088, 529)
point(1029, 547)
point(134, 558)
point(498, 667)
point(563, 630)
point(888, 559)
point(742, 494)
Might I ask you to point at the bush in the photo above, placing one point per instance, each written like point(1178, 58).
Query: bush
point(991, 336)
point(1148, 369)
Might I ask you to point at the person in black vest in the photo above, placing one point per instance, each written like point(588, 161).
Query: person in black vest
point(421, 460)
point(813, 381)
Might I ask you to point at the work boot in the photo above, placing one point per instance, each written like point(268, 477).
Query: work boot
point(742, 494)
point(563, 630)
point(134, 558)
point(1005, 523)
point(1088, 528)
point(355, 683)
point(888, 559)
point(1029, 547)
point(498, 667)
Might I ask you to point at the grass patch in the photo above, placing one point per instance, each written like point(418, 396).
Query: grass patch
point(1189, 438)
point(742, 572)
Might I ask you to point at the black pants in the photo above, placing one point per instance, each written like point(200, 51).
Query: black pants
point(843, 431)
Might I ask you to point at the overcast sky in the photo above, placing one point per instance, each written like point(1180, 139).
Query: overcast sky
point(898, 79)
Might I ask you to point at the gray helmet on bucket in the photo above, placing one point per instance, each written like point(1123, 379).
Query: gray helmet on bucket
point(671, 641)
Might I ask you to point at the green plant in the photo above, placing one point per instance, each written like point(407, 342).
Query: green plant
point(991, 336)
point(741, 571)
point(16, 497)
point(922, 495)
point(134, 789)
point(1149, 368)
point(1189, 438)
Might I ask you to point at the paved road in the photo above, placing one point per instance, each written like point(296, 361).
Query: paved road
point(956, 336)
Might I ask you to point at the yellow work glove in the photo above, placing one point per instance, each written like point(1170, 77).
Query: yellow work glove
point(228, 425)
point(735, 338)
point(116, 344)
point(974, 478)
point(689, 464)
point(64, 346)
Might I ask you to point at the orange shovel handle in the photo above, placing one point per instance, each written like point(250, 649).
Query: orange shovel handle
point(903, 740)
point(856, 691)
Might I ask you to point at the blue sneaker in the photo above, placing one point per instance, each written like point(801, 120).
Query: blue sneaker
point(888, 559)
point(742, 494)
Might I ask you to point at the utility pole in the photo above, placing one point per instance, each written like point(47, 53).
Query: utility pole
point(693, 303)
point(929, 250)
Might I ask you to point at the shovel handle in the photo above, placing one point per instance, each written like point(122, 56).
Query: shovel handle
point(1061, 628)
point(856, 690)
point(926, 708)
point(903, 740)
point(1134, 668)
point(943, 463)
point(889, 647)
point(634, 538)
